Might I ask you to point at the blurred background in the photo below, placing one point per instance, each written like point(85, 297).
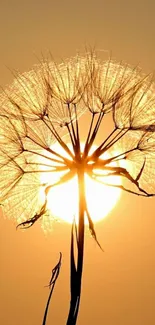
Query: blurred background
point(119, 284)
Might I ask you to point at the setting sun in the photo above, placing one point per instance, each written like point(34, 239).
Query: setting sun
point(63, 199)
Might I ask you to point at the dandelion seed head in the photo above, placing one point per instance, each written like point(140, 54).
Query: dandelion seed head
point(45, 104)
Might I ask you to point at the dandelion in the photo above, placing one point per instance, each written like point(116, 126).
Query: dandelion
point(42, 108)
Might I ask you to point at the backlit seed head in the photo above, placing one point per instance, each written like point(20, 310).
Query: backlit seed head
point(44, 104)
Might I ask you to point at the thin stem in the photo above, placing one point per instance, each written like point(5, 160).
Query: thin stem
point(113, 141)
point(58, 138)
point(80, 234)
point(71, 122)
point(53, 131)
point(77, 132)
point(55, 274)
point(44, 156)
point(90, 129)
point(93, 136)
point(54, 170)
point(76, 122)
point(98, 152)
point(71, 137)
point(76, 273)
point(48, 150)
point(99, 164)
point(123, 154)
point(95, 153)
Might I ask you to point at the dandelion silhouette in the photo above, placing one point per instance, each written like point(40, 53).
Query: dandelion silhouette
point(43, 107)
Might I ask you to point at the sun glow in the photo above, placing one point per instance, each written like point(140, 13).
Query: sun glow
point(63, 199)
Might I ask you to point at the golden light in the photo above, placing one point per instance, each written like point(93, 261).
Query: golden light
point(63, 199)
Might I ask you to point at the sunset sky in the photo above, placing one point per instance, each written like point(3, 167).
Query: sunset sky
point(119, 284)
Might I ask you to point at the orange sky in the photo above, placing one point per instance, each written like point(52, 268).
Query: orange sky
point(118, 285)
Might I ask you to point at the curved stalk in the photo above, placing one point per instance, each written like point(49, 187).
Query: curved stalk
point(77, 267)
point(55, 274)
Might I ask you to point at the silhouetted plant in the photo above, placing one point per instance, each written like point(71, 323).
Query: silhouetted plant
point(43, 107)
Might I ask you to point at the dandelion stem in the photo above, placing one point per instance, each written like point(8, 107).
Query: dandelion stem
point(76, 272)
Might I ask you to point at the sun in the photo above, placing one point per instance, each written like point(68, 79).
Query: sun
point(62, 200)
